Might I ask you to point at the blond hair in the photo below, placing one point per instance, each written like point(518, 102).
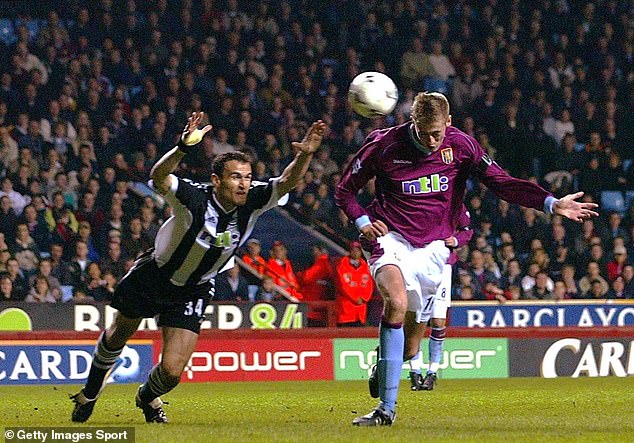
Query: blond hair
point(429, 106)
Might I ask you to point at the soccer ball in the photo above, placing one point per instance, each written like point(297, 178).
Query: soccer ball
point(372, 94)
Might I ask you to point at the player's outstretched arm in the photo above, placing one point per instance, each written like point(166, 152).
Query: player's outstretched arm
point(191, 136)
point(298, 167)
point(577, 211)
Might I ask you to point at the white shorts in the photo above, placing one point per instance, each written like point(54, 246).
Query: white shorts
point(443, 296)
point(422, 269)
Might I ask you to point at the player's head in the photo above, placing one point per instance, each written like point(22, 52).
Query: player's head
point(231, 178)
point(430, 114)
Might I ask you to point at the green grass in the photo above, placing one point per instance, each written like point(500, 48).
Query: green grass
point(510, 410)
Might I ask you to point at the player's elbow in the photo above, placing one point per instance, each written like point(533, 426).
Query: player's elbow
point(157, 174)
point(160, 180)
point(341, 198)
point(285, 184)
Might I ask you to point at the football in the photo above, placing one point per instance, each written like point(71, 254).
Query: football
point(372, 94)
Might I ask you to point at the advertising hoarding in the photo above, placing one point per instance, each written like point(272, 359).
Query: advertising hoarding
point(571, 357)
point(259, 360)
point(20, 316)
point(68, 361)
point(462, 358)
point(523, 315)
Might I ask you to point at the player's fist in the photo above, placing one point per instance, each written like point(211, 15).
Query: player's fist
point(374, 230)
point(191, 134)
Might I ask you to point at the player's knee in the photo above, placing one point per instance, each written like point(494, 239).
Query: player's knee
point(395, 312)
point(398, 305)
point(121, 329)
point(438, 322)
point(395, 303)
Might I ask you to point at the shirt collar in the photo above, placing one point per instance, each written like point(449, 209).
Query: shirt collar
point(216, 203)
point(417, 144)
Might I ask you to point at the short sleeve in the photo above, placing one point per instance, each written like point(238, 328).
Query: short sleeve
point(184, 193)
point(263, 195)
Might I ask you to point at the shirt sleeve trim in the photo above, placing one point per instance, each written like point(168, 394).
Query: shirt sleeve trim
point(362, 222)
point(549, 204)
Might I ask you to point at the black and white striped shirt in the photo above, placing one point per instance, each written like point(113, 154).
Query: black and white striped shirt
point(200, 237)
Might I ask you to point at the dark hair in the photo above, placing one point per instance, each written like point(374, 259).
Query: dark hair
point(218, 166)
point(40, 277)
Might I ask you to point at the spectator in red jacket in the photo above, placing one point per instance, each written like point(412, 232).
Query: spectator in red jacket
point(316, 282)
point(253, 259)
point(280, 269)
point(354, 288)
point(615, 267)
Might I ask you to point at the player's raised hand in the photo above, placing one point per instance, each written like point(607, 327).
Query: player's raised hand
point(312, 139)
point(191, 134)
point(578, 211)
point(376, 229)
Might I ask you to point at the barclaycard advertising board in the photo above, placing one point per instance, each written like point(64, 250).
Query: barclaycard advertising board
point(571, 357)
point(68, 361)
point(462, 358)
point(524, 315)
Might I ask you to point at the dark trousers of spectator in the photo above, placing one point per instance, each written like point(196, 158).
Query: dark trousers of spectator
point(316, 323)
point(354, 324)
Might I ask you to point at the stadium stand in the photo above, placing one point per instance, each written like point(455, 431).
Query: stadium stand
point(91, 94)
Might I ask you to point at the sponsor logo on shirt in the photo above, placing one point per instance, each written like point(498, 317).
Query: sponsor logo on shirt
point(426, 185)
point(356, 167)
point(402, 162)
point(221, 240)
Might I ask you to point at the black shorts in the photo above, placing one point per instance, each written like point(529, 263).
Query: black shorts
point(142, 293)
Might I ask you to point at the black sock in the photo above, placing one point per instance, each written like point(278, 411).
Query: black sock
point(103, 360)
point(157, 384)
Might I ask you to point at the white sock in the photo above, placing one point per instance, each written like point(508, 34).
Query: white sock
point(416, 362)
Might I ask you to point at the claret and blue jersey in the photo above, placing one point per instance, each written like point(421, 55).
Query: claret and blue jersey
point(419, 193)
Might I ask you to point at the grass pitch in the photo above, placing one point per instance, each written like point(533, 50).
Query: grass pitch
point(510, 410)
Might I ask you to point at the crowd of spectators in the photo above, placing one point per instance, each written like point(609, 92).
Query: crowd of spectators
point(93, 93)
